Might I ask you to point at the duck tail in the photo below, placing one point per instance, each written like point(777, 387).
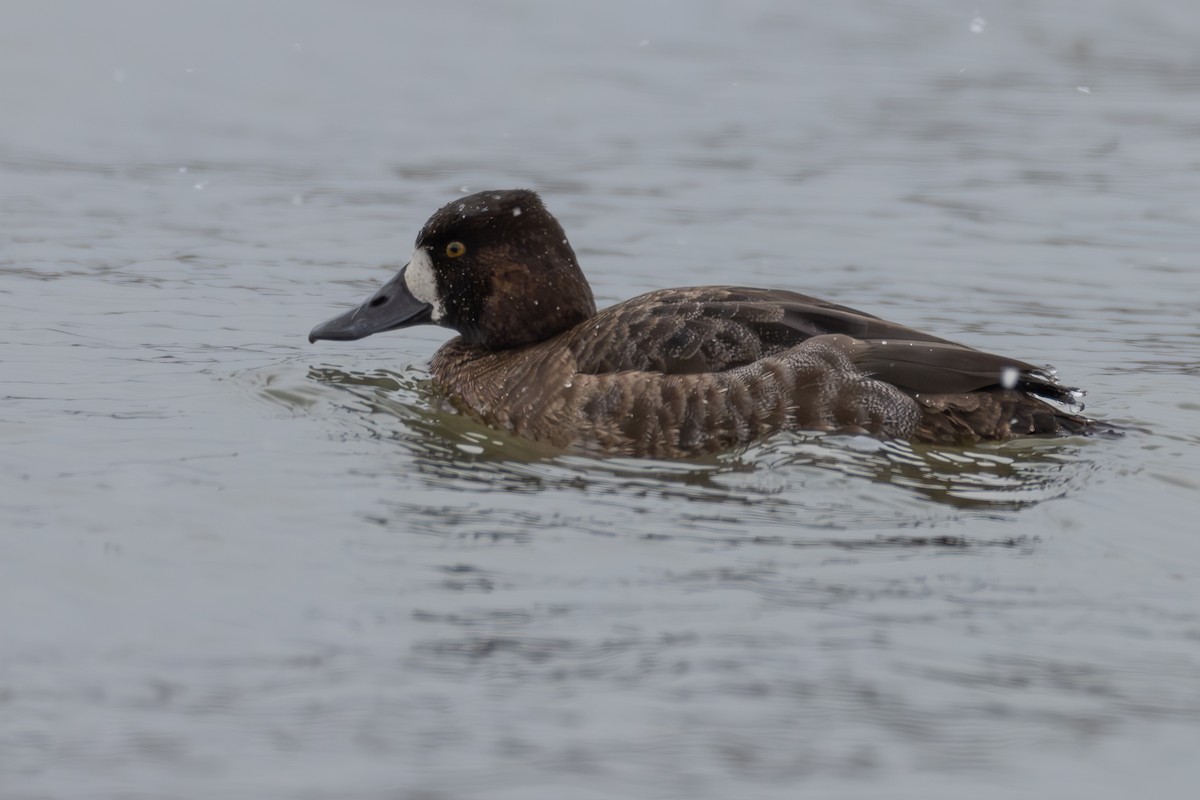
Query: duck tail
point(1000, 414)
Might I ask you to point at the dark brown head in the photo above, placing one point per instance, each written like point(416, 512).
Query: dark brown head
point(494, 266)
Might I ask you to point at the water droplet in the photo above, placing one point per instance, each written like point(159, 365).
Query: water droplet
point(119, 75)
point(183, 169)
point(199, 187)
point(978, 24)
point(297, 200)
point(644, 43)
point(1084, 89)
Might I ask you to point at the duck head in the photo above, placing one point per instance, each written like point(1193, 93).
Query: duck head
point(494, 266)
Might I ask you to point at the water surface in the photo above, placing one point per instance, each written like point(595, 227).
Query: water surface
point(236, 564)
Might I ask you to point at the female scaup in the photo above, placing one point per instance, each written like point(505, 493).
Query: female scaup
point(678, 372)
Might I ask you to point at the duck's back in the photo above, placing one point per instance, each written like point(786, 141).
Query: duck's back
point(689, 371)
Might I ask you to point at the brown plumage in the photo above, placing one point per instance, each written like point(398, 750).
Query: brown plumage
point(678, 372)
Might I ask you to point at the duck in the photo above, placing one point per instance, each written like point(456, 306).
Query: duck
point(678, 373)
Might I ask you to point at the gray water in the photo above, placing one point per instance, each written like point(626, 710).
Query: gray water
point(233, 564)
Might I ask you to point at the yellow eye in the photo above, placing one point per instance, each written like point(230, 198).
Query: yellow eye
point(455, 249)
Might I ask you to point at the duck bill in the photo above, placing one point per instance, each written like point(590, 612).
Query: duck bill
point(392, 307)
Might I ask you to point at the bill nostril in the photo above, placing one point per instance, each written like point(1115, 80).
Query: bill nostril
point(378, 301)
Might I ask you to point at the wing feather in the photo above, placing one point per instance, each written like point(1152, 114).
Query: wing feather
point(718, 328)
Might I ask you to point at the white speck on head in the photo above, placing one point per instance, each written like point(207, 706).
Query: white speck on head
point(1009, 376)
point(422, 283)
point(978, 24)
point(516, 212)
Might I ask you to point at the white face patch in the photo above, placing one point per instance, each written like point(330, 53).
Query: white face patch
point(422, 284)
